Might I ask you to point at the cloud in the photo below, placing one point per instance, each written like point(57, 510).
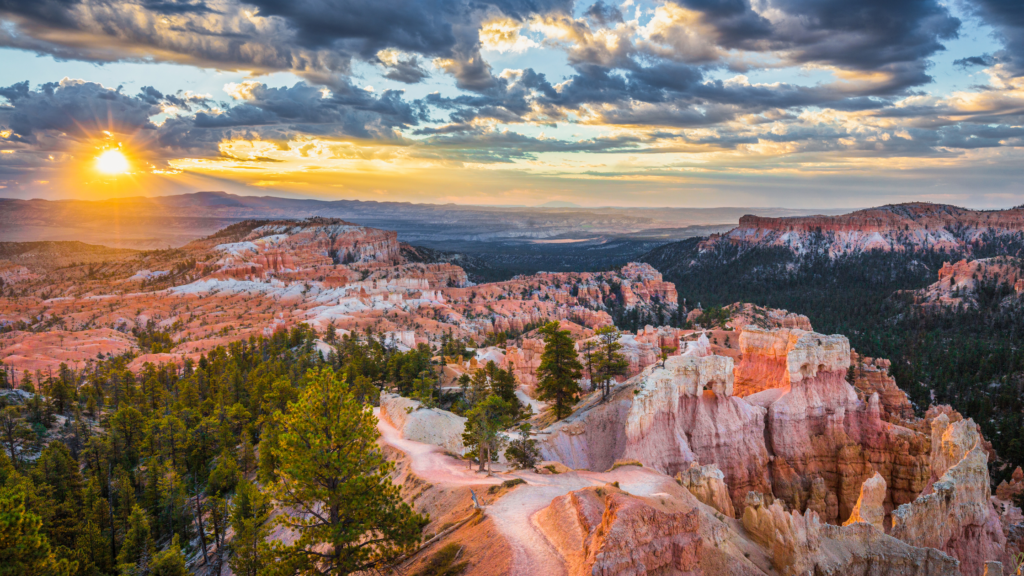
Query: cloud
point(317, 39)
point(74, 107)
point(401, 67)
point(503, 35)
point(1007, 18)
point(56, 121)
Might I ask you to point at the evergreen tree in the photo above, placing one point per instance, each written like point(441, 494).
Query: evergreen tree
point(170, 562)
point(522, 452)
point(15, 433)
point(348, 515)
point(250, 510)
point(560, 370)
point(136, 555)
point(484, 423)
point(610, 362)
point(24, 549)
point(268, 453)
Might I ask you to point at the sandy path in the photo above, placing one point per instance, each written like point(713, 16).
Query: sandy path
point(513, 513)
point(430, 462)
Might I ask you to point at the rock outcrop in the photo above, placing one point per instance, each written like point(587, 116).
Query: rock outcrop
point(958, 283)
point(802, 544)
point(871, 376)
point(869, 507)
point(426, 425)
point(820, 429)
point(1008, 491)
point(605, 532)
point(685, 413)
point(955, 514)
point(707, 483)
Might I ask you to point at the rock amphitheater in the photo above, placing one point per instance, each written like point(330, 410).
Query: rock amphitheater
point(760, 447)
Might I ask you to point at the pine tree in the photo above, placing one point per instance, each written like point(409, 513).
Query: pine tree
point(268, 453)
point(24, 549)
point(610, 362)
point(484, 423)
point(15, 433)
point(136, 553)
point(522, 452)
point(250, 510)
point(560, 370)
point(170, 562)
point(348, 514)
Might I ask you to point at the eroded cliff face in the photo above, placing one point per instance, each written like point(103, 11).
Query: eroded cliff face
point(823, 438)
point(806, 437)
point(803, 544)
point(685, 413)
point(591, 438)
point(955, 514)
point(958, 283)
point(892, 227)
point(606, 532)
point(871, 376)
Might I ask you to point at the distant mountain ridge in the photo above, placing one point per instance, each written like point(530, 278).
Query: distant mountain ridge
point(162, 221)
point(915, 225)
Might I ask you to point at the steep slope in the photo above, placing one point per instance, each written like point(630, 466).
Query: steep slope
point(914, 226)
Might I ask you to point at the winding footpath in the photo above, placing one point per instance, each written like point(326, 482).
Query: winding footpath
point(513, 513)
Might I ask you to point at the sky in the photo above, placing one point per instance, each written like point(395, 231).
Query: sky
point(793, 103)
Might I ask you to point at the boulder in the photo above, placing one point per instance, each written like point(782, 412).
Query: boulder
point(426, 425)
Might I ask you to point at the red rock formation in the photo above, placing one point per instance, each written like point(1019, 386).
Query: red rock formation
point(746, 314)
point(871, 376)
point(605, 532)
point(955, 515)
point(822, 436)
point(11, 273)
point(685, 413)
point(802, 544)
point(958, 283)
point(1008, 491)
point(918, 225)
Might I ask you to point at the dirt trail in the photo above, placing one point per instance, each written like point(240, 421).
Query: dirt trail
point(430, 462)
point(513, 513)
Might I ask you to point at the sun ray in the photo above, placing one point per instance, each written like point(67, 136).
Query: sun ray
point(112, 162)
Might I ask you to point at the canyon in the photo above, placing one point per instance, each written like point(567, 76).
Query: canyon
point(751, 446)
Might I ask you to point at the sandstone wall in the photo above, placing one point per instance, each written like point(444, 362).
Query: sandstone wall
point(955, 514)
point(685, 413)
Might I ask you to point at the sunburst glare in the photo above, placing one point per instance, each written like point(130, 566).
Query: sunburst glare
point(112, 162)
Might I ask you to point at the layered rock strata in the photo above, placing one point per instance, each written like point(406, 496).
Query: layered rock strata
point(802, 544)
point(685, 413)
point(605, 532)
point(955, 514)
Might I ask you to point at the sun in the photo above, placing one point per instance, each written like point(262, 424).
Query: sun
point(112, 162)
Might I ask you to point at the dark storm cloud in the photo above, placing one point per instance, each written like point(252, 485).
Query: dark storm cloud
point(73, 107)
point(1007, 18)
point(864, 35)
point(406, 69)
point(315, 38)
